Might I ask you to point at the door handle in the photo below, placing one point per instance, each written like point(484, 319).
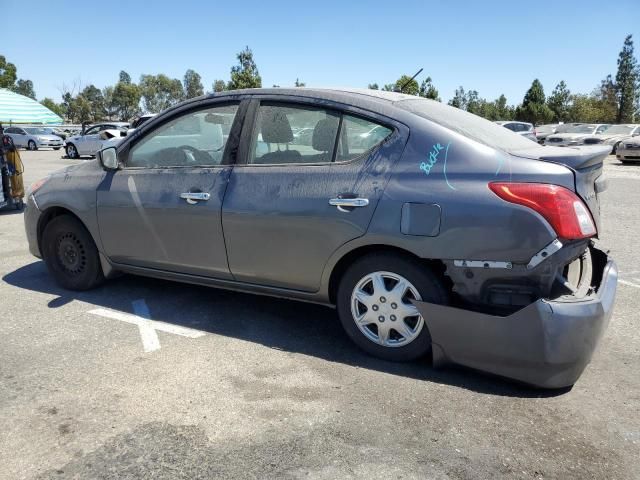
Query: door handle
point(344, 204)
point(194, 197)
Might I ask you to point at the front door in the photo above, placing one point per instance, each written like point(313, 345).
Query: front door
point(297, 197)
point(162, 209)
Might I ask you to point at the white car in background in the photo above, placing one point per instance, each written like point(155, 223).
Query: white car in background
point(613, 135)
point(524, 129)
point(95, 138)
point(33, 138)
point(575, 135)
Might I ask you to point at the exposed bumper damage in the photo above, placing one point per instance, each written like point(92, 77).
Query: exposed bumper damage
point(547, 344)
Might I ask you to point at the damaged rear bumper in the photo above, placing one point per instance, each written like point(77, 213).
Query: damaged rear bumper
point(546, 344)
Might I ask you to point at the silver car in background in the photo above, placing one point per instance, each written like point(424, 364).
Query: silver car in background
point(33, 138)
point(524, 129)
point(613, 135)
point(575, 135)
point(543, 131)
point(629, 150)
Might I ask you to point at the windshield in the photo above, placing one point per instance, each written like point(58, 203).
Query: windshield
point(619, 130)
point(581, 129)
point(37, 131)
point(467, 124)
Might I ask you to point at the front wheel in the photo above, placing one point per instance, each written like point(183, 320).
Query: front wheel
point(375, 306)
point(32, 145)
point(70, 254)
point(72, 151)
point(57, 148)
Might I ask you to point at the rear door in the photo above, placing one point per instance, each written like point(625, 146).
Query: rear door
point(292, 202)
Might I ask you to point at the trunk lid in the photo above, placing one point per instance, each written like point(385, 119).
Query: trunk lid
point(587, 164)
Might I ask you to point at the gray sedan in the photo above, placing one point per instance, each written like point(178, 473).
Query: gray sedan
point(33, 138)
point(443, 234)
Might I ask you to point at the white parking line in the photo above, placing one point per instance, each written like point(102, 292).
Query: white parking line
point(631, 284)
point(148, 334)
point(148, 328)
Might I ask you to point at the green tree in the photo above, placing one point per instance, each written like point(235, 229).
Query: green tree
point(606, 100)
point(388, 87)
point(56, 108)
point(245, 74)
point(585, 108)
point(502, 110)
point(126, 100)
point(299, 83)
point(159, 92)
point(627, 83)
point(192, 84)
point(109, 108)
point(94, 96)
point(219, 86)
point(459, 99)
point(373, 86)
point(8, 74)
point(560, 102)
point(407, 84)
point(534, 108)
point(427, 90)
point(124, 77)
point(25, 87)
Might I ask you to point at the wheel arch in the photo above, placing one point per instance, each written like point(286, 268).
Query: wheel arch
point(347, 259)
point(55, 211)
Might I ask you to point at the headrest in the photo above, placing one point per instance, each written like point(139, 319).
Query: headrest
point(275, 126)
point(324, 134)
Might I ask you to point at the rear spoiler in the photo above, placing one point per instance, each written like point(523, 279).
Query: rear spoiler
point(578, 158)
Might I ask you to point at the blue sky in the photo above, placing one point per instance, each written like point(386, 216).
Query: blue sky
point(493, 47)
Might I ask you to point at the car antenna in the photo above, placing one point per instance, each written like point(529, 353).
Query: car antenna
point(410, 80)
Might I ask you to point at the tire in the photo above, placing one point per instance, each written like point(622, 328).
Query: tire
point(72, 151)
point(423, 285)
point(31, 145)
point(19, 205)
point(70, 254)
point(57, 148)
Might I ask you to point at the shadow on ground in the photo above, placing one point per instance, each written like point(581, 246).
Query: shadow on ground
point(275, 323)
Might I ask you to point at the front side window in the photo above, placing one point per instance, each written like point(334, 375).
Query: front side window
point(190, 140)
point(293, 134)
point(92, 131)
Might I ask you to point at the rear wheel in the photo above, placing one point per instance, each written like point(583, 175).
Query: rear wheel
point(32, 145)
point(375, 306)
point(70, 254)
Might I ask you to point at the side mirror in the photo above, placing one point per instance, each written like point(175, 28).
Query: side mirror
point(108, 158)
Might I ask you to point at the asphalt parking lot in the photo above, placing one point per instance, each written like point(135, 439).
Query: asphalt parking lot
point(226, 385)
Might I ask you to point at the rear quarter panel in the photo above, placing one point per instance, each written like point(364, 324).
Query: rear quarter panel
point(444, 168)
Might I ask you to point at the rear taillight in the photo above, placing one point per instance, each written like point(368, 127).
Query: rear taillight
point(562, 208)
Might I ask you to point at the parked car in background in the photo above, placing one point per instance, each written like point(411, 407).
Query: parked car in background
point(575, 134)
point(141, 119)
point(521, 128)
point(543, 131)
point(33, 138)
point(629, 150)
point(92, 139)
point(442, 233)
point(613, 135)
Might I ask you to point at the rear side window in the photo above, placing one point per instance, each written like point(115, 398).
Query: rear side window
point(359, 136)
point(300, 134)
point(293, 134)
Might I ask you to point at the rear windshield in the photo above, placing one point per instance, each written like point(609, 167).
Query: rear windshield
point(580, 129)
point(467, 124)
point(620, 129)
